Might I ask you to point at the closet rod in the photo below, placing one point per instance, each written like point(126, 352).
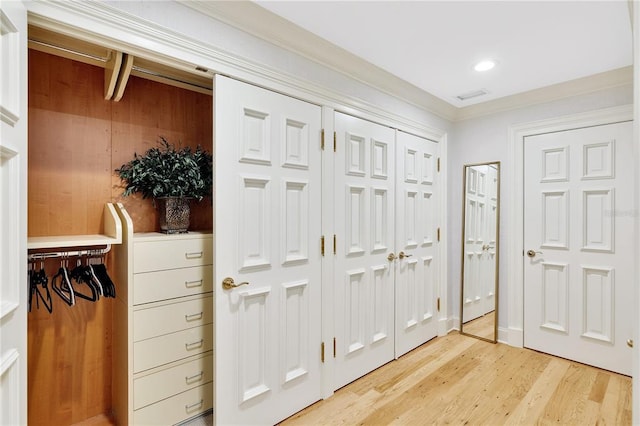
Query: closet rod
point(64, 49)
point(49, 255)
point(102, 59)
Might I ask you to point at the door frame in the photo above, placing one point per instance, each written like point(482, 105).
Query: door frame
point(514, 258)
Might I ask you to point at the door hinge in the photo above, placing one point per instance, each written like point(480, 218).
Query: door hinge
point(438, 234)
point(335, 244)
point(322, 245)
point(335, 141)
point(334, 347)
point(322, 139)
point(322, 352)
point(438, 166)
point(438, 304)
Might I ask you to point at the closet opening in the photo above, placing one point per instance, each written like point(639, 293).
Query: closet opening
point(90, 108)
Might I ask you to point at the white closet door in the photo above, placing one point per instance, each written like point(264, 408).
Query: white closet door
point(364, 277)
point(417, 199)
point(578, 215)
point(13, 213)
point(267, 234)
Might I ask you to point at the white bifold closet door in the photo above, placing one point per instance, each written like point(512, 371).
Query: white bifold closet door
point(416, 225)
point(364, 283)
point(386, 201)
point(267, 234)
point(578, 215)
point(13, 213)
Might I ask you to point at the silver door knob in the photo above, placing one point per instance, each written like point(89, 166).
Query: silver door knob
point(402, 255)
point(532, 253)
point(228, 283)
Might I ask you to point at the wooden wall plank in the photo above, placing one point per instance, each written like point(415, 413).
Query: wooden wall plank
point(76, 141)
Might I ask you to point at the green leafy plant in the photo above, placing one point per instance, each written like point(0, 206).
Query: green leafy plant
point(167, 171)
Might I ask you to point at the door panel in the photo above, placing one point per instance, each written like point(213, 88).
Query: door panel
point(13, 230)
point(267, 234)
point(364, 278)
point(417, 198)
point(578, 214)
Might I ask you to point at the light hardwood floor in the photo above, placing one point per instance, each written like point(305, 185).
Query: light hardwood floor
point(460, 380)
point(482, 327)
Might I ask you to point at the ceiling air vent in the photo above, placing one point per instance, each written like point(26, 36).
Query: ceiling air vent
point(474, 94)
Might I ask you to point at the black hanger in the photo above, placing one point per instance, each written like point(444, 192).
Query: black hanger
point(81, 275)
point(39, 279)
point(100, 271)
point(62, 285)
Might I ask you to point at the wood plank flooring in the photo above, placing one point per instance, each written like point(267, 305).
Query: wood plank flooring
point(460, 380)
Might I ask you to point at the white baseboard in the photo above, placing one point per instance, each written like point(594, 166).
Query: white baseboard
point(515, 337)
point(444, 326)
point(503, 335)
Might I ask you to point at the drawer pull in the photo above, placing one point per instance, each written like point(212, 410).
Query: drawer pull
point(194, 406)
point(191, 284)
point(193, 255)
point(194, 345)
point(193, 317)
point(194, 378)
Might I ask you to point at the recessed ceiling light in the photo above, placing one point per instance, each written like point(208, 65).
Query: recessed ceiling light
point(485, 65)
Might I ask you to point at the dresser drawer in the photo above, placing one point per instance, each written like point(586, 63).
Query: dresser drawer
point(172, 317)
point(177, 408)
point(163, 384)
point(176, 252)
point(163, 285)
point(171, 347)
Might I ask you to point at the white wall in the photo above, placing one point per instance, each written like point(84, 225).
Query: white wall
point(486, 139)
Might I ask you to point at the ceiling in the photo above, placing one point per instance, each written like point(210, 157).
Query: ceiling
point(434, 44)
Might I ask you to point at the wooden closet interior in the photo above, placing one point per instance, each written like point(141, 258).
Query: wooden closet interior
point(90, 109)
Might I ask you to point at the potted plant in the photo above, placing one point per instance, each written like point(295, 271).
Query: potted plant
point(172, 177)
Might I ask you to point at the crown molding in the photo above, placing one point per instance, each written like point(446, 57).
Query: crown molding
point(593, 83)
point(266, 25)
point(262, 23)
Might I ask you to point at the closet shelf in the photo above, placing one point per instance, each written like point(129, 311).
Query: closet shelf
point(112, 235)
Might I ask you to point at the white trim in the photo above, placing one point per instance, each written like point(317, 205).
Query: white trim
point(262, 23)
point(328, 261)
point(443, 246)
point(593, 83)
point(9, 358)
point(515, 223)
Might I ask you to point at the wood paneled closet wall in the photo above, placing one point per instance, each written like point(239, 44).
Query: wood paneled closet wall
point(76, 140)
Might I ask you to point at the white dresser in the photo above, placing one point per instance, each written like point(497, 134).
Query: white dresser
point(164, 367)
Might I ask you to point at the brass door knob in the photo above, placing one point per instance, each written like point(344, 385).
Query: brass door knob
point(228, 283)
point(532, 253)
point(391, 257)
point(630, 343)
point(402, 255)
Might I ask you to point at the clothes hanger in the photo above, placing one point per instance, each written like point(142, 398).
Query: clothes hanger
point(81, 275)
point(62, 285)
point(39, 279)
point(101, 273)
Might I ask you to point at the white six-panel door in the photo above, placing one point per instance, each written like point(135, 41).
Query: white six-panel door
point(416, 227)
point(578, 215)
point(13, 207)
point(267, 233)
point(365, 217)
